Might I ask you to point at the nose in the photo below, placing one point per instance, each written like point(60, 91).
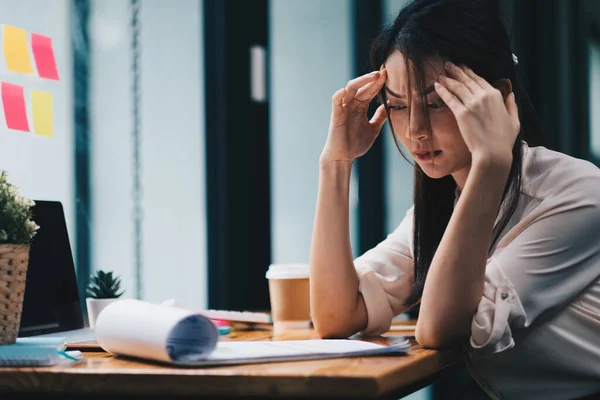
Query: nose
point(417, 128)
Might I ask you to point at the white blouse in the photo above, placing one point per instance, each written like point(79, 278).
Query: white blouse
point(536, 332)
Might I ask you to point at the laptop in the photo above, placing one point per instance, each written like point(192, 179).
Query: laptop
point(51, 305)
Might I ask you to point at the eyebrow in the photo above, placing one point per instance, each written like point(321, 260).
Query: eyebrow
point(427, 91)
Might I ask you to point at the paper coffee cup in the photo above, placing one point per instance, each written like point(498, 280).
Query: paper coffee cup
point(290, 295)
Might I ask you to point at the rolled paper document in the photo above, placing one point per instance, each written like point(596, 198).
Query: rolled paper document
point(155, 331)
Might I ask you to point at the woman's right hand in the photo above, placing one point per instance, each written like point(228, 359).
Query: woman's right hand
point(351, 133)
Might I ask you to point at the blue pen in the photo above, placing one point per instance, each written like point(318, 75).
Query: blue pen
point(224, 330)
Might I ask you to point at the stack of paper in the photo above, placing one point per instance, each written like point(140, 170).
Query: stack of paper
point(187, 338)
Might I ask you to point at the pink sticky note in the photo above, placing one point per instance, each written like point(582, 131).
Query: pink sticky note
point(13, 101)
point(43, 53)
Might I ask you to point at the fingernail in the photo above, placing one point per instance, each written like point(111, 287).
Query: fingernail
point(449, 64)
point(437, 85)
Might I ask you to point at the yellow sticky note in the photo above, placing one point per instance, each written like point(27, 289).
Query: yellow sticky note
point(16, 50)
point(41, 104)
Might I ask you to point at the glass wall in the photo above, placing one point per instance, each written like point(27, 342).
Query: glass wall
point(311, 58)
point(171, 147)
point(171, 132)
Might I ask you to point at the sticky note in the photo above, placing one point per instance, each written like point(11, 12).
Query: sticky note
point(16, 51)
point(41, 105)
point(13, 102)
point(43, 54)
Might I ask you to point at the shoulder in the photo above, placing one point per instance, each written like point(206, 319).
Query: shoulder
point(549, 174)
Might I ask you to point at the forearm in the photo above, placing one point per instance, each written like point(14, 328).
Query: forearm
point(337, 308)
point(454, 284)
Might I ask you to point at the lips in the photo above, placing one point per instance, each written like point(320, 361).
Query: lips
point(426, 155)
point(426, 152)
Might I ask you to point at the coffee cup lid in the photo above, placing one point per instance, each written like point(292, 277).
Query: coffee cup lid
point(288, 271)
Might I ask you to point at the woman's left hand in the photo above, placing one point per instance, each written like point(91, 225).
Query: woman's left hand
point(489, 125)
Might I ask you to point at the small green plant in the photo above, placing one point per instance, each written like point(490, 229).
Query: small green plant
point(103, 285)
point(16, 226)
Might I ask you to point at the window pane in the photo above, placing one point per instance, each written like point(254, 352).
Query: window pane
point(171, 147)
point(311, 58)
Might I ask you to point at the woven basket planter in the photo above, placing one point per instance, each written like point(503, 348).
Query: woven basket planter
point(14, 260)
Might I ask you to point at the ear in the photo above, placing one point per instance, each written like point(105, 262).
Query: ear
point(504, 86)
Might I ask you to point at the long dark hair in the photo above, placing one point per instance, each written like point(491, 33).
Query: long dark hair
point(466, 32)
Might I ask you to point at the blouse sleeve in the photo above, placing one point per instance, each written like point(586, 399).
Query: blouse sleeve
point(386, 277)
point(553, 259)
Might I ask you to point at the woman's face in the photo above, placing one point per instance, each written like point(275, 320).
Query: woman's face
point(451, 155)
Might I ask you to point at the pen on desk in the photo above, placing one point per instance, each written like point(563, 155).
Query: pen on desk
point(224, 330)
point(74, 355)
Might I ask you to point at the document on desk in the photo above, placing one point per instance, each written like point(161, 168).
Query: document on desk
point(186, 338)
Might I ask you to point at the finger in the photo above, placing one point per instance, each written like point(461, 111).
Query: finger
point(337, 101)
point(476, 78)
point(458, 89)
point(370, 90)
point(455, 105)
point(355, 84)
point(460, 75)
point(379, 118)
point(512, 108)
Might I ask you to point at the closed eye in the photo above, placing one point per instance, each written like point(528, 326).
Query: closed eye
point(397, 108)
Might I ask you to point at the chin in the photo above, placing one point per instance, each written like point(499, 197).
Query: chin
point(434, 172)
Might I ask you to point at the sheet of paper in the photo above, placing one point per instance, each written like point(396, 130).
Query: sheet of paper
point(13, 102)
point(43, 120)
point(290, 347)
point(43, 54)
point(146, 330)
point(16, 50)
point(241, 352)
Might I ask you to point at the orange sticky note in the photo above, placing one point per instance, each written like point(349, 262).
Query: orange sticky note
point(43, 53)
point(16, 50)
point(41, 105)
point(13, 102)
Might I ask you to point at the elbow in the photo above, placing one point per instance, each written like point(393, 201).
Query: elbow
point(330, 334)
point(332, 331)
point(430, 337)
point(332, 326)
point(426, 338)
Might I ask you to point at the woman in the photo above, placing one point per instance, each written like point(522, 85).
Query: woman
point(501, 249)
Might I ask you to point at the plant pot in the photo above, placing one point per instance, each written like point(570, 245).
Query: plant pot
point(95, 307)
point(14, 260)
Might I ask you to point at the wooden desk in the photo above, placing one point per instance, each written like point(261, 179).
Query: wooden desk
point(103, 374)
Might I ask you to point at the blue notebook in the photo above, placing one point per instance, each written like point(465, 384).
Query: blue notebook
point(34, 351)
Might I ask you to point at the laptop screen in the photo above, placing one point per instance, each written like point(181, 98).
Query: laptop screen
point(51, 301)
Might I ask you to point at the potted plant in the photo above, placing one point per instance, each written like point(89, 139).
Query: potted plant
point(102, 290)
point(17, 231)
